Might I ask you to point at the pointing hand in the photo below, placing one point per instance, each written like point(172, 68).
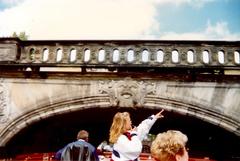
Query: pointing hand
point(159, 114)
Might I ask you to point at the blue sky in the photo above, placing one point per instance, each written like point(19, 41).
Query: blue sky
point(122, 19)
point(186, 17)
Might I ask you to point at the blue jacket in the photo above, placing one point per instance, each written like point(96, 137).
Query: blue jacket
point(77, 151)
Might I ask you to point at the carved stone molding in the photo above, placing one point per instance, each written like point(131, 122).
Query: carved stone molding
point(127, 93)
point(4, 111)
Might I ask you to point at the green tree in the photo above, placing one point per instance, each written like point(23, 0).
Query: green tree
point(14, 34)
point(21, 35)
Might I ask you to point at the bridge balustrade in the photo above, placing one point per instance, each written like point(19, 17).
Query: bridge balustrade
point(156, 56)
point(121, 52)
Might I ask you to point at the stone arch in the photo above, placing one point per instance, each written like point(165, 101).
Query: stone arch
point(196, 110)
point(72, 105)
point(40, 113)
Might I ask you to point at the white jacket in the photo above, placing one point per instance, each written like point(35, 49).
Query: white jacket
point(126, 149)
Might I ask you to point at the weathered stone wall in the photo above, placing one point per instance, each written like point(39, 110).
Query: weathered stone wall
point(39, 79)
point(24, 101)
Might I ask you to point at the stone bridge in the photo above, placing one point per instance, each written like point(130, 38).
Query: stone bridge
point(41, 79)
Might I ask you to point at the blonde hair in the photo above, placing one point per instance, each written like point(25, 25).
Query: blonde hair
point(118, 126)
point(168, 144)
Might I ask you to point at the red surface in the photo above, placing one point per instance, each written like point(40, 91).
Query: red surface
point(50, 157)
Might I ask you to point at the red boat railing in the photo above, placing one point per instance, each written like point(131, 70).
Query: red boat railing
point(105, 156)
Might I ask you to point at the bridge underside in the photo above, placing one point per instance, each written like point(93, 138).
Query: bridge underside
point(49, 135)
point(59, 108)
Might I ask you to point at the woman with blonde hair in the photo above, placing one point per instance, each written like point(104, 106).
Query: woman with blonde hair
point(127, 141)
point(170, 146)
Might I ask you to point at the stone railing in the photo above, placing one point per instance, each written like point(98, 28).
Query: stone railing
point(115, 53)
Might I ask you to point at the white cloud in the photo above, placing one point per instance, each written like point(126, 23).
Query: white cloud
point(79, 19)
point(83, 19)
point(219, 31)
point(92, 19)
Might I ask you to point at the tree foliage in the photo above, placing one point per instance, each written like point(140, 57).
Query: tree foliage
point(21, 35)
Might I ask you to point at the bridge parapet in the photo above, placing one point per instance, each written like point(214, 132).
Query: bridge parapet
point(116, 53)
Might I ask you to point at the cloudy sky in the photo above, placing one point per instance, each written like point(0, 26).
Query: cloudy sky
point(122, 19)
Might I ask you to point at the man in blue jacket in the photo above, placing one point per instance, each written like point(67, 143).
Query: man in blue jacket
point(79, 150)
